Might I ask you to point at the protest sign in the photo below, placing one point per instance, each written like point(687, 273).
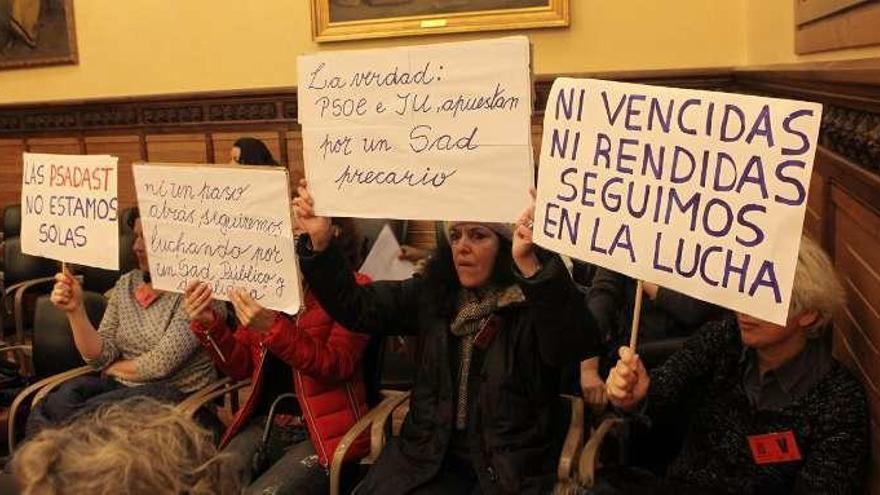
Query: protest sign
point(69, 209)
point(426, 132)
point(227, 226)
point(700, 192)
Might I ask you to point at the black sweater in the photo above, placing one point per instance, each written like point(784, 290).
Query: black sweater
point(829, 422)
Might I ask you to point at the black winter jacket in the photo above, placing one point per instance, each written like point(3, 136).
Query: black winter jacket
point(520, 418)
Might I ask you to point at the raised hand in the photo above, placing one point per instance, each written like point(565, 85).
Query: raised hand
point(67, 293)
point(197, 300)
point(319, 229)
point(523, 249)
point(250, 313)
point(628, 381)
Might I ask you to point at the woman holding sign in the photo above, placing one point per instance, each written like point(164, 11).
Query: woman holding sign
point(142, 346)
point(771, 411)
point(310, 355)
point(497, 319)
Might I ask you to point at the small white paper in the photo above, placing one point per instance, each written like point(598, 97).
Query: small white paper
point(383, 262)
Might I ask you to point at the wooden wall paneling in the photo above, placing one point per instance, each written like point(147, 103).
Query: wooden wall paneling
point(421, 234)
point(60, 145)
point(209, 148)
point(295, 161)
point(283, 158)
point(857, 332)
point(874, 466)
point(223, 142)
point(858, 235)
point(850, 28)
point(128, 150)
point(810, 10)
point(10, 171)
point(177, 148)
point(813, 220)
point(537, 138)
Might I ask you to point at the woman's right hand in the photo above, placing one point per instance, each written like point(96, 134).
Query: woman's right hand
point(628, 382)
point(319, 229)
point(67, 293)
point(197, 299)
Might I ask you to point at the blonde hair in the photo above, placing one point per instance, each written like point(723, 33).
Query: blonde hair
point(138, 445)
point(817, 286)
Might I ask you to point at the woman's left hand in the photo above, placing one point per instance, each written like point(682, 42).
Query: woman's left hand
point(249, 312)
point(523, 250)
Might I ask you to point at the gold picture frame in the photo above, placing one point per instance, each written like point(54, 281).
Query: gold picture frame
point(36, 33)
point(461, 19)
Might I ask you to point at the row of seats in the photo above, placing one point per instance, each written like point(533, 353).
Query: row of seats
point(22, 275)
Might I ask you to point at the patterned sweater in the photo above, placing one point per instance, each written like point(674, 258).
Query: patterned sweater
point(156, 338)
point(829, 422)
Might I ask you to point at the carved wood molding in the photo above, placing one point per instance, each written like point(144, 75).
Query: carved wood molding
point(850, 125)
point(851, 114)
point(188, 112)
point(207, 111)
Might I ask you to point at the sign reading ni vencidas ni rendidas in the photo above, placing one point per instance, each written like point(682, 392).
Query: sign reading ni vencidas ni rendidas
point(700, 192)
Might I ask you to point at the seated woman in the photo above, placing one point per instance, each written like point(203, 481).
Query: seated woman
point(770, 409)
point(484, 411)
point(143, 345)
point(309, 354)
point(138, 445)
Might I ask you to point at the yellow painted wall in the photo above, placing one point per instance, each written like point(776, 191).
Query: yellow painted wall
point(146, 47)
point(770, 35)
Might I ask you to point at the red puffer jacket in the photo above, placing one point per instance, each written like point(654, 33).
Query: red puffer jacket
point(326, 363)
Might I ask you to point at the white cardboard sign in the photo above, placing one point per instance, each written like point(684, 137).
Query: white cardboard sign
point(70, 209)
point(227, 226)
point(383, 261)
point(435, 132)
point(697, 191)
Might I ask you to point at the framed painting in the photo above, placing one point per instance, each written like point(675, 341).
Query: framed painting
point(339, 20)
point(36, 32)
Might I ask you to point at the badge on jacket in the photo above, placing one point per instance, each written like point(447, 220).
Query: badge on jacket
point(487, 333)
point(774, 447)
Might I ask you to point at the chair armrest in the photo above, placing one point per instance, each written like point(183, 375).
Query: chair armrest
point(16, 347)
point(590, 455)
point(60, 379)
point(378, 415)
point(33, 388)
point(27, 284)
point(19, 289)
point(393, 400)
point(574, 439)
point(193, 403)
point(207, 389)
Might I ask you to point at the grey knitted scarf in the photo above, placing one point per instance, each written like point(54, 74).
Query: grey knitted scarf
point(475, 307)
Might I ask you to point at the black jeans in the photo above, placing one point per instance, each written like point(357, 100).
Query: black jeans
point(84, 394)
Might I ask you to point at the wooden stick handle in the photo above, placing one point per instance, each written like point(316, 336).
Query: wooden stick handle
point(637, 313)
